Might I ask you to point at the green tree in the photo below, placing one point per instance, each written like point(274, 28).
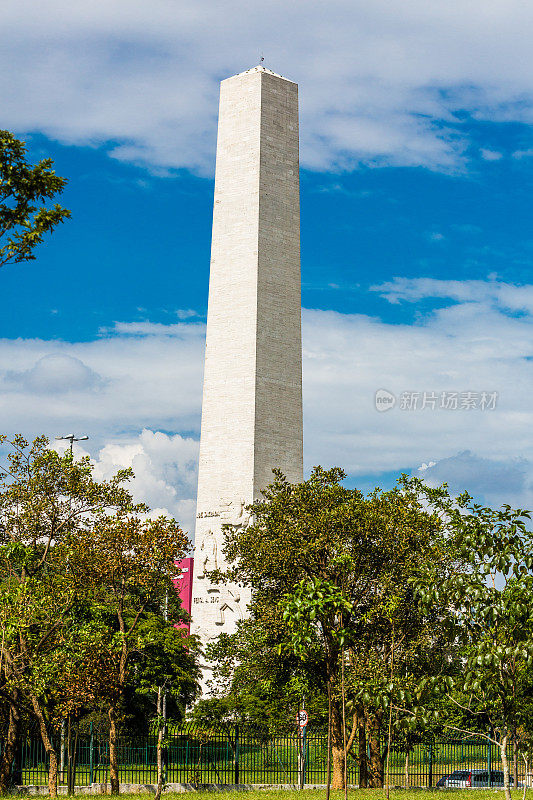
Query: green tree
point(128, 562)
point(257, 684)
point(164, 674)
point(25, 215)
point(335, 557)
point(84, 575)
point(46, 500)
point(492, 601)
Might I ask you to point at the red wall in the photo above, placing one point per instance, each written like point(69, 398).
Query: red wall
point(183, 584)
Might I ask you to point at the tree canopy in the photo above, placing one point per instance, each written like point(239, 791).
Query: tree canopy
point(87, 601)
point(26, 214)
point(332, 575)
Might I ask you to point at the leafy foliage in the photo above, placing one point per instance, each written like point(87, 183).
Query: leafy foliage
point(25, 217)
point(87, 603)
point(331, 570)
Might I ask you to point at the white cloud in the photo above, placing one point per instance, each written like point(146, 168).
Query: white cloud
point(55, 374)
point(151, 379)
point(493, 292)
point(380, 82)
point(165, 469)
point(518, 154)
point(492, 480)
point(490, 155)
point(462, 348)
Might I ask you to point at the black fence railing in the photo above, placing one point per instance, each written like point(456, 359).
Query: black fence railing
point(241, 755)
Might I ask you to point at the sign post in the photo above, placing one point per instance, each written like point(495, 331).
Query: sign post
point(302, 720)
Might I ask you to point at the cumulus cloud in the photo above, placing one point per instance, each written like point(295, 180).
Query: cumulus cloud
point(457, 349)
point(152, 379)
point(495, 293)
point(490, 480)
point(165, 470)
point(381, 82)
point(55, 373)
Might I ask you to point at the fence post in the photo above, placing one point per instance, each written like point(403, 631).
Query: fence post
point(145, 768)
point(430, 772)
point(304, 756)
point(236, 776)
point(489, 764)
point(91, 756)
point(164, 758)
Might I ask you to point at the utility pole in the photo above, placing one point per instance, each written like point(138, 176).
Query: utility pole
point(71, 439)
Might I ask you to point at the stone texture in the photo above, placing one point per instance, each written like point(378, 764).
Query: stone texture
point(252, 399)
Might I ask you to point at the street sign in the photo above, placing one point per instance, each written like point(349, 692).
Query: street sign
point(303, 718)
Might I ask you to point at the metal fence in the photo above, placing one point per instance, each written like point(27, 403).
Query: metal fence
point(240, 755)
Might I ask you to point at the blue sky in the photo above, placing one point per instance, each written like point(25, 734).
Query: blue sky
point(137, 246)
point(417, 243)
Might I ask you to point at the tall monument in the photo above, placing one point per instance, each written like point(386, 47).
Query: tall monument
point(252, 398)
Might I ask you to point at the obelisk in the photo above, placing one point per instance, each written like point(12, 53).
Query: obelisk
point(252, 397)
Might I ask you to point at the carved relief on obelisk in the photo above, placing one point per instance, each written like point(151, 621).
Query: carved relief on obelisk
point(252, 398)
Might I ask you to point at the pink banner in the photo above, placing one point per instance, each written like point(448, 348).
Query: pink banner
point(183, 584)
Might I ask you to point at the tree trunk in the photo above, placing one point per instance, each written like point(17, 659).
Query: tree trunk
point(9, 750)
point(72, 758)
point(406, 772)
point(159, 745)
point(113, 752)
point(505, 765)
point(337, 747)
point(48, 746)
point(515, 761)
point(376, 759)
point(52, 773)
point(328, 759)
point(345, 754)
point(361, 756)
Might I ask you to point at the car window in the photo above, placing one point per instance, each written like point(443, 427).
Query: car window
point(460, 775)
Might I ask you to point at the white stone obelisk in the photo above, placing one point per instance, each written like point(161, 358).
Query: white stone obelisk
point(252, 399)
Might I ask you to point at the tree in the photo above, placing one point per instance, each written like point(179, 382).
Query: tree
point(255, 683)
point(334, 556)
point(165, 674)
point(25, 217)
point(492, 602)
point(129, 561)
point(84, 576)
point(46, 500)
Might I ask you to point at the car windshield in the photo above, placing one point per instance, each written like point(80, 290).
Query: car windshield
point(460, 775)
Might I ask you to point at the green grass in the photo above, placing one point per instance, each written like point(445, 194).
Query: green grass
point(353, 794)
point(319, 794)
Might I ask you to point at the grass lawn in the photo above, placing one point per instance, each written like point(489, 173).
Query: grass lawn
point(319, 794)
point(353, 794)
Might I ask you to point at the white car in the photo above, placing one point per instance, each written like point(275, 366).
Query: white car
point(472, 779)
